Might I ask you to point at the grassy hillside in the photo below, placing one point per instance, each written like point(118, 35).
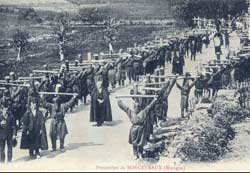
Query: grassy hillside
point(132, 9)
point(42, 47)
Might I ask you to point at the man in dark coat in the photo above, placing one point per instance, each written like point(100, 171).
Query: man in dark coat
point(129, 67)
point(121, 72)
point(34, 135)
point(193, 49)
point(137, 134)
point(200, 86)
point(84, 87)
point(136, 69)
point(100, 109)
point(112, 75)
point(7, 132)
point(178, 63)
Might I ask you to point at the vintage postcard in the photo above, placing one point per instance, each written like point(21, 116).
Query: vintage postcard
point(124, 85)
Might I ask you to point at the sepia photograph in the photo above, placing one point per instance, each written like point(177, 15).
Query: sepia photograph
point(124, 85)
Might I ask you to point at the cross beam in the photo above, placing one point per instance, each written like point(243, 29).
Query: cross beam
point(136, 96)
point(55, 93)
point(46, 71)
point(12, 84)
point(28, 78)
point(153, 89)
point(153, 76)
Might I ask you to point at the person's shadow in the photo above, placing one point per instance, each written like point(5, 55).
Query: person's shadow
point(69, 147)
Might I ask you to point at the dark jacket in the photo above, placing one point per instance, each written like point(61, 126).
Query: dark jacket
point(34, 133)
point(100, 112)
point(8, 129)
point(138, 132)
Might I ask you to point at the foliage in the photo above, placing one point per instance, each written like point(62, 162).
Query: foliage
point(29, 14)
point(20, 39)
point(111, 30)
point(188, 9)
point(205, 136)
point(90, 15)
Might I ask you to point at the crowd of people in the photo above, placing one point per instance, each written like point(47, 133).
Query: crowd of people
point(29, 107)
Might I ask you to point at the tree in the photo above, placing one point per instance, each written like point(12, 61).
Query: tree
point(110, 32)
point(90, 15)
point(63, 22)
point(29, 14)
point(188, 9)
point(20, 39)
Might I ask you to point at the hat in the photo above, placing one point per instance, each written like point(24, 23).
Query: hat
point(6, 77)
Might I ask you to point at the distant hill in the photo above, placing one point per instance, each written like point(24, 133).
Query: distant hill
point(129, 9)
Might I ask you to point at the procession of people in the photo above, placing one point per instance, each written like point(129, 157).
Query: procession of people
point(27, 105)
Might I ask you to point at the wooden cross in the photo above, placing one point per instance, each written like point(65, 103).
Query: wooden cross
point(12, 84)
point(160, 77)
point(195, 20)
point(45, 71)
point(212, 66)
point(58, 93)
point(153, 89)
point(29, 78)
point(136, 96)
point(80, 64)
point(190, 77)
point(158, 83)
point(15, 81)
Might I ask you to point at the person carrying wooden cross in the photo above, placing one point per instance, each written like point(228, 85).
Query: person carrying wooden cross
point(161, 108)
point(185, 91)
point(58, 127)
point(138, 133)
